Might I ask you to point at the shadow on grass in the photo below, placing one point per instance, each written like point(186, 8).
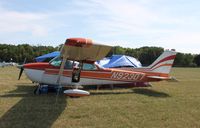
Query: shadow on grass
point(32, 110)
point(143, 91)
point(109, 93)
point(150, 92)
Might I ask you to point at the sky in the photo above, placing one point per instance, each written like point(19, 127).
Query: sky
point(171, 24)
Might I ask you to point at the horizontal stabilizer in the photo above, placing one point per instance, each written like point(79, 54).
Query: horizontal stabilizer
point(170, 79)
point(158, 77)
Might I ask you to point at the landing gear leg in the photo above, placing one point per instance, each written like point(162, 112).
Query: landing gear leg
point(59, 89)
point(37, 90)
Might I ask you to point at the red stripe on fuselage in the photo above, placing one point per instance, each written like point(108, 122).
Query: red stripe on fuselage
point(39, 66)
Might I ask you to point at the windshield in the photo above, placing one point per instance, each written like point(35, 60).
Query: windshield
point(56, 61)
point(87, 66)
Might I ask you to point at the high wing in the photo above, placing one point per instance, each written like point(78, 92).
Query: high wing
point(81, 49)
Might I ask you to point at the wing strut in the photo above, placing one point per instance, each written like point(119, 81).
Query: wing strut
point(61, 70)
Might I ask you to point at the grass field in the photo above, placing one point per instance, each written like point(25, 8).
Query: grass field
point(165, 104)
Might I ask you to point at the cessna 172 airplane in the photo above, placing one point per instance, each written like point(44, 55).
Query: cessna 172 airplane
point(76, 66)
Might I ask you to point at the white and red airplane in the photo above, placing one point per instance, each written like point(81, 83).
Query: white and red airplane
point(76, 66)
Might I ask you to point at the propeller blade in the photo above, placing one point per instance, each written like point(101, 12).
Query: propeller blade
point(20, 73)
point(21, 69)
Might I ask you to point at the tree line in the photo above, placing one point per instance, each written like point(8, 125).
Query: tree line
point(146, 55)
point(18, 53)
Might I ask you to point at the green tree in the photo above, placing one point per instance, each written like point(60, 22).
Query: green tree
point(148, 55)
point(179, 60)
point(197, 60)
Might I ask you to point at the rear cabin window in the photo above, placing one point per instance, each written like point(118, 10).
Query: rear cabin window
point(68, 65)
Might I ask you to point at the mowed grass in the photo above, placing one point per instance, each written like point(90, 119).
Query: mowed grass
point(165, 104)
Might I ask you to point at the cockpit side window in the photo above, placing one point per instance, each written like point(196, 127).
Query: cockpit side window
point(57, 63)
point(87, 66)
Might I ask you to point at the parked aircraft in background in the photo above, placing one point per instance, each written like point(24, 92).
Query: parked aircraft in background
point(4, 64)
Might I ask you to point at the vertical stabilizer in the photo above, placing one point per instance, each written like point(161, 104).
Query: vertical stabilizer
point(163, 63)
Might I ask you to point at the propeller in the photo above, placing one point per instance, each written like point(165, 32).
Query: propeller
point(21, 71)
point(21, 67)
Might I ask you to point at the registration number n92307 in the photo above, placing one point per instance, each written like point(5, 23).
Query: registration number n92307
point(127, 76)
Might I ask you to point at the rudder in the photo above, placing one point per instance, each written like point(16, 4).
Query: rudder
point(163, 63)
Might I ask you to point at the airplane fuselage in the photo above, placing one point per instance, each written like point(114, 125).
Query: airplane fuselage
point(47, 74)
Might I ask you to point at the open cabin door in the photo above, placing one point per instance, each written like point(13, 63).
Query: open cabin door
point(76, 73)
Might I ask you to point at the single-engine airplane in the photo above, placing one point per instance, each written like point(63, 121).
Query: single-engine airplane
point(76, 66)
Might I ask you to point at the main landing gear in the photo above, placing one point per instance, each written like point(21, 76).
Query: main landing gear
point(41, 88)
point(37, 90)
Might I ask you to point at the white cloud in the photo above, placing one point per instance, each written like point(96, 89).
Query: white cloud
point(187, 42)
point(135, 22)
point(14, 22)
point(123, 15)
point(127, 23)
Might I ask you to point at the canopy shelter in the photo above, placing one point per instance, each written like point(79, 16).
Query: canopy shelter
point(117, 61)
point(109, 62)
point(47, 56)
